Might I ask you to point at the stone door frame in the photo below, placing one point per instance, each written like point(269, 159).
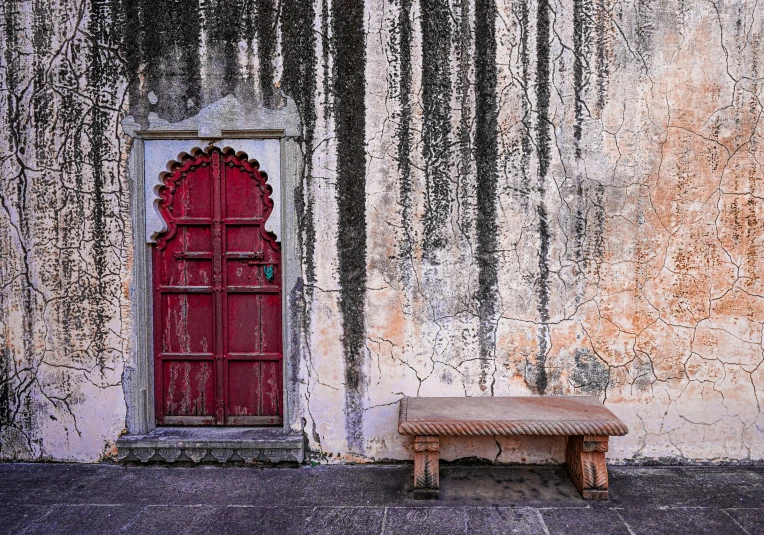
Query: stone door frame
point(138, 375)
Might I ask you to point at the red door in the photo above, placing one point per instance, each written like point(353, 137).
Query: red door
point(217, 296)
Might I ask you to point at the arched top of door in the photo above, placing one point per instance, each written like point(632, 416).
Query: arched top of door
point(215, 159)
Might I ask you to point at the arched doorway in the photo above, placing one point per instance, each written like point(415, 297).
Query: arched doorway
point(217, 295)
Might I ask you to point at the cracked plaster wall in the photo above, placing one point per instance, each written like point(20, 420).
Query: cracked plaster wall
point(499, 198)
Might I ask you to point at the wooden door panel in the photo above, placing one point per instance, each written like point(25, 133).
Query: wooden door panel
point(187, 259)
point(244, 274)
point(243, 197)
point(188, 323)
point(217, 276)
point(194, 196)
point(253, 406)
point(244, 239)
point(189, 387)
point(245, 327)
point(270, 319)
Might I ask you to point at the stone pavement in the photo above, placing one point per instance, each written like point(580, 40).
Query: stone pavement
point(104, 499)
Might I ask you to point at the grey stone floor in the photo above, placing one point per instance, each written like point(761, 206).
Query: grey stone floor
point(104, 499)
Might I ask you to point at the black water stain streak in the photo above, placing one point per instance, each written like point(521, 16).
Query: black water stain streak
point(298, 80)
point(223, 26)
point(15, 402)
point(466, 194)
point(436, 127)
point(543, 144)
point(582, 14)
point(162, 40)
point(326, 46)
point(348, 44)
point(486, 158)
point(602, 43)
point(42, 100)
point(265, 28)
point(400, 48)
point(522, 13)
point(645, 26)
point(580, 78)
point(100, 70)
point(297, 312)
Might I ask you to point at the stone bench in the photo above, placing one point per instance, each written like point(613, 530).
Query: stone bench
point(584, 421)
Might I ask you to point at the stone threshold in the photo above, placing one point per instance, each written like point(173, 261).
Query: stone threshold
point(209, 444)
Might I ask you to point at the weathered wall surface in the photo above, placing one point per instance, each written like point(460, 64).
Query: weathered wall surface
point(499, 198)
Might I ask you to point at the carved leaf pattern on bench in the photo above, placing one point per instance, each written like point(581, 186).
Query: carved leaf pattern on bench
point(595, 479)
point(426, 478)
point(585, 460)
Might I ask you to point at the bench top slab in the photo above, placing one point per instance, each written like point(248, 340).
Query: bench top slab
point(521, 415)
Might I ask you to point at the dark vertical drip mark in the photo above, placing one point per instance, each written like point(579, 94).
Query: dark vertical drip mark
point(226, 31)
point(326, 58)
point(186, 15)
point(42, 101)
point(348, 41)
point(165, 38)
point(645, 27)
point(247, 32)
point(16, 404)
point(436, 127)
point(298, 81)
point(7, 393)
point(97, 74)
point(103, 75)
point(248, 20)
point(578, 68)
point(603, 69)
point(403, 43)
point(486, 157)
point(599, 220)
point(463, 85)
point(543, 142)
point(526, 143)
point(581, 43)
point(583, 15)
point(543, 138)
point(265, 27)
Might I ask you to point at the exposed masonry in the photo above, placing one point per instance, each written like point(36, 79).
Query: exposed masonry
point(570, 201)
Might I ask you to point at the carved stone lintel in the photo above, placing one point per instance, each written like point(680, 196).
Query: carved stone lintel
point(426, 467)
point(585, 462)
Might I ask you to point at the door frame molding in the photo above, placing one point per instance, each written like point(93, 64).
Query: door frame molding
point(138, 374)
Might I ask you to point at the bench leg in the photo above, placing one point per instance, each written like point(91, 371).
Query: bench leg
point(585, 462)
point(426, 470)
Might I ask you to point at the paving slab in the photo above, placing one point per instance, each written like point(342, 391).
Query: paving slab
point(15, 518)
point(426, 521)
point(71, 499)
point(575, 521)
point(84, 520)
point(177, 520)
point(504, 520)
point(698, 521)
point(750, 520)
